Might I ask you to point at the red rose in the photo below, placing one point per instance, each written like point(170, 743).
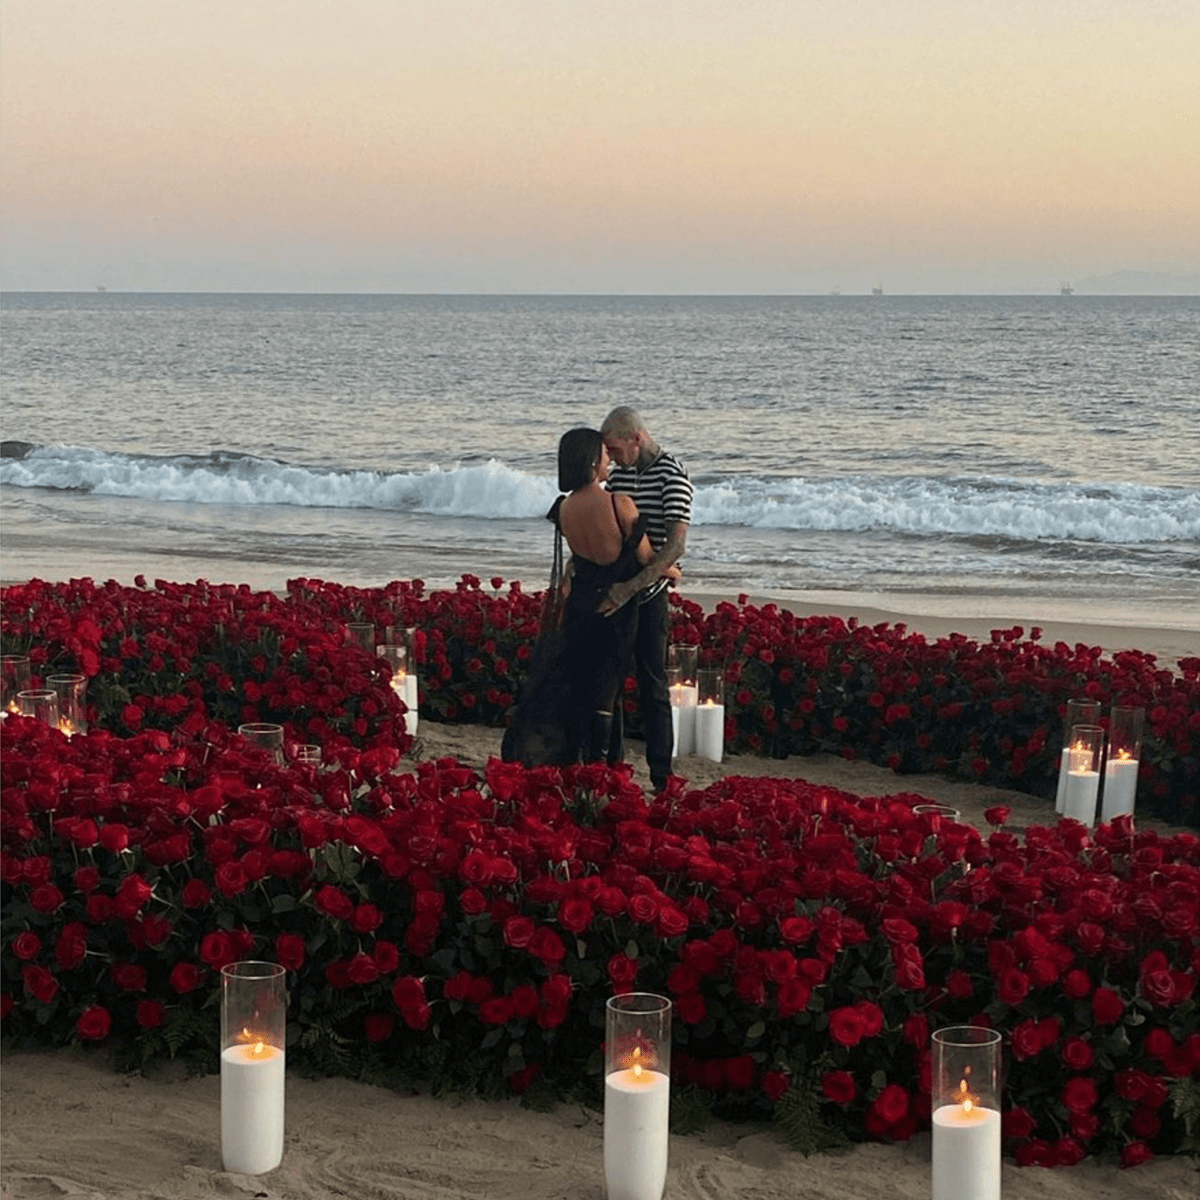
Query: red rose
point(367, 918)
point(774, 1084)
point(548, 946)
point(496, 1011)
point(1107, 1006)
point(46, 898)
point(94, 1024)
point(643, 908)
point(39, 983)
point(793, 997)
point(518, 932)
point(71, 947)
point(1080, 1094)
point(691, 1008)
point(87, 879)
point(114, 837)
point(1084, 1126)
point(846, 1026)
point(230, 878)
point(1135, 1154)
point(472, 902)
point(622, 970)
point(670, 922)
point(1034, 1153)
point(839, 1086)
point(196, 893)
point(997, 815)
point(1068, 1152)
point(1077, 1054)
point(151, 1014)
point(362, 969)
point(796, 930)
point(891, 1105)
point(216, 949)
point(334, 903)
point(575, 915)
point(289, 951)
point(1076, 984)
point(1018, 1123)
point(185, 977)
point(1158, 987)
point(26, 945)
point(1012, 986)
point(1026, 1040)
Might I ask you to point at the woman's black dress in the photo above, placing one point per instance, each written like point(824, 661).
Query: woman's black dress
point(578, 667)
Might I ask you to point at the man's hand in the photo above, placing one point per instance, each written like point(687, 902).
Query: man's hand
point(618, 596)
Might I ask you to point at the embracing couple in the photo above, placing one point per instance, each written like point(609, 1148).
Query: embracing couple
point(624, 515)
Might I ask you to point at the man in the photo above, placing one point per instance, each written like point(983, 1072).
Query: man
point(662, 491)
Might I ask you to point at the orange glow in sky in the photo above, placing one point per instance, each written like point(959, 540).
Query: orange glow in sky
point(535, 145)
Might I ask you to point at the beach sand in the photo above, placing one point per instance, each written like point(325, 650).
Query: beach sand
point(72, 1128)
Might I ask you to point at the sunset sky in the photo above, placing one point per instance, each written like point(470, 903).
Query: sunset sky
point(694, 146)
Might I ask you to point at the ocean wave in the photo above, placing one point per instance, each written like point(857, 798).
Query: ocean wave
point(995, 510)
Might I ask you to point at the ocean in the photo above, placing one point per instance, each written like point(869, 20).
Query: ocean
point(1009, 449)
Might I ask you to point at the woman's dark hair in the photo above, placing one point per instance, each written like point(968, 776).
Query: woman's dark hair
point(578, 457)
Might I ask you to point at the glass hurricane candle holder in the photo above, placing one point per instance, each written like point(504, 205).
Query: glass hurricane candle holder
point(402, 683)
point(683, 710)
point(253, 1040)
point(307, 754)
point(266, 737)
point(684, 658)
point(72, 702)
point(1079, 712)
point(1125, 725)
point(933, 816)
point(1083, 773)
point(637, 1095)
point(40, 703)
point(710, 713)
point(966, 1113)
point(14, 679)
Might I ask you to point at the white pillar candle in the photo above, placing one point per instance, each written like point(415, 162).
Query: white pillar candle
point(1079, 799)
point(1120, 787)
point(637, 1105)
point(1063, 771)
point(710, 731)
point(412, 699)
point(683, 717)
point(966, 1153)
point(252, 1086)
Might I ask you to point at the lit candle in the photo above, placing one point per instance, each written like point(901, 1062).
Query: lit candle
point(1120, 786)
point(966, 1150)
point(1083, 786)
point(252, 1091)
point(1073, 758)
point(710, 730)
point(683, 717)
point(637, 1103)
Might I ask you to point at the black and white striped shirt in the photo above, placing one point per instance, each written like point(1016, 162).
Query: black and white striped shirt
point(663, 494)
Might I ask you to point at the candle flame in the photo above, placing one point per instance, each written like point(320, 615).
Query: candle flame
point(968, 1101)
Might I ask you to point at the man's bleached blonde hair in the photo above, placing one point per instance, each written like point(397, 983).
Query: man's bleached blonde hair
point(622, 422)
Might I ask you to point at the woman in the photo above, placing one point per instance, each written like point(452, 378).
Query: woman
point(582, 658)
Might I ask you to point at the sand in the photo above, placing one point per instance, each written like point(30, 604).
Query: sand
point(72, 1128)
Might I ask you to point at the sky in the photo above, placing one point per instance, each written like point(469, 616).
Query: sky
point(603, 146)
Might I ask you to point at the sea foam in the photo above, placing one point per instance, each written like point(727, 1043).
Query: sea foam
point(961, 506)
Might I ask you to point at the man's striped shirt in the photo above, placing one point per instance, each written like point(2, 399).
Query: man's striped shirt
point(663, 494)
